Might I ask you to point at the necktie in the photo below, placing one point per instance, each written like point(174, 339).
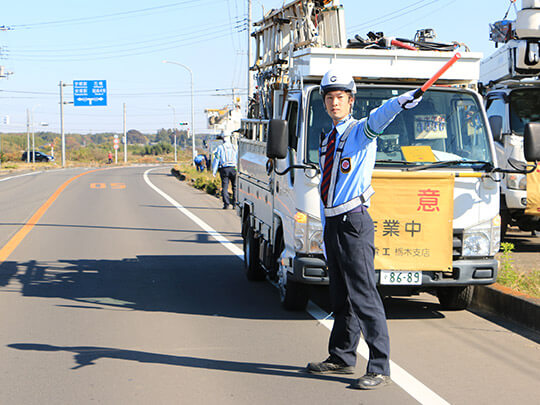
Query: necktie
point(328, 163)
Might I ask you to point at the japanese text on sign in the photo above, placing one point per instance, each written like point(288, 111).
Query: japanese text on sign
point(430, 127)
point(408, 210)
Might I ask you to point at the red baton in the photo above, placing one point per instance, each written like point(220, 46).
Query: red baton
point(418, 93)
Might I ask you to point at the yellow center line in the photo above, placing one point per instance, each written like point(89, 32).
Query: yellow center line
point(10, 246)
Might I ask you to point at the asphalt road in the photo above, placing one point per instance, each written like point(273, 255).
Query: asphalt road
point(117, 296)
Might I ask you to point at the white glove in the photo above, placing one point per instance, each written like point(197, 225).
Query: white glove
point(407, 100)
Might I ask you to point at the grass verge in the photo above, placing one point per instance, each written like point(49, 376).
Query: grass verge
point(200, 180)
point(526, 283)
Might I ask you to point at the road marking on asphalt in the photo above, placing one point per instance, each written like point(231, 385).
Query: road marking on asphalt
point(401, 377)
point(114, 186)
point(211, 231)
point(16, 239)
point(20, 175)
point(406, 381)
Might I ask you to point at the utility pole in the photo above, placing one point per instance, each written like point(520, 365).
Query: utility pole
point(174, 129)
point(33, 139)
point(125, 135)
point(27, 135)
point(250, 78)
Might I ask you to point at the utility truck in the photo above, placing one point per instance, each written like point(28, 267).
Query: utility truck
point(512, 96)
point(436, 201)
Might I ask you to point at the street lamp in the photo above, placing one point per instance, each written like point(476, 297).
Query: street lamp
point(174, 129)
point(192, 119)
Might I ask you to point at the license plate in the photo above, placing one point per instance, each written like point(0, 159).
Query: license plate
point(393, 277)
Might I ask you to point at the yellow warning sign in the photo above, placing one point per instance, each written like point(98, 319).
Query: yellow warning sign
point(533, 193)
point(412, 214)
point(420, 153)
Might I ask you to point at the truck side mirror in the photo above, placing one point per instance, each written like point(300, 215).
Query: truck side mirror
point(531, 141)
point(277, 142)
point(495, 123)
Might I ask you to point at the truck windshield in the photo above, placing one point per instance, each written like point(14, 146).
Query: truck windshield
point(524, 108)
point(446, 126)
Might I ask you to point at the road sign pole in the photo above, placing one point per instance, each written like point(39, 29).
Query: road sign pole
point(62, 123)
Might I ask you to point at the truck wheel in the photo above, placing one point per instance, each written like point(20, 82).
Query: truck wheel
point(254, 270)
point(455, 298)
point(505, 223)
point(293, 296)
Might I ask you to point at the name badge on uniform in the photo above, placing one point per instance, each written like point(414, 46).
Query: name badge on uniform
point(345, 165)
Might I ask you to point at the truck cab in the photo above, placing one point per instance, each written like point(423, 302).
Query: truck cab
point(510, 107)
point(436, 180)
point(511, 88)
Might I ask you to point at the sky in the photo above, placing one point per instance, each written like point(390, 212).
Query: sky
point(124, 42)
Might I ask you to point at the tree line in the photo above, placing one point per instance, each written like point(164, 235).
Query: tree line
point(92, 146)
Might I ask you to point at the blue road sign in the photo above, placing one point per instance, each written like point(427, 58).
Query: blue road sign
point(89, 92)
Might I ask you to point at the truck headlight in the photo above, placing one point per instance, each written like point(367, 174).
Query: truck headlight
point(308, 233)
point(483, 239)
point(516, 181)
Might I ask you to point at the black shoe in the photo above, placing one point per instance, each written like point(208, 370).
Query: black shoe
point(225, 206)
point(329, 366)
point(371, 381)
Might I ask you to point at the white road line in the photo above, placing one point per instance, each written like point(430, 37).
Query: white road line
point(20, 175)
point(401, 377)
point(411, 385)
point(211, 231)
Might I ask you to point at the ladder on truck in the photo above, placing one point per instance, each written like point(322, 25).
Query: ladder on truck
point(297, 25)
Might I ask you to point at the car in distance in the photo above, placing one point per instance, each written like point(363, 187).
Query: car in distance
point(40, 157)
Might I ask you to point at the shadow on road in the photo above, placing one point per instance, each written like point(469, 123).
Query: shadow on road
point(87, 355)
point(396, 307)
point(209, 285)
point(116, 228)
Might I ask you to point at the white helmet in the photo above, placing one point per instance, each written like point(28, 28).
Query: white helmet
point(335, 79)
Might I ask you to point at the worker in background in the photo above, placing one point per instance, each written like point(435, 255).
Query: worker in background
point(200, 162)
point(224, 161)
point(347, 158)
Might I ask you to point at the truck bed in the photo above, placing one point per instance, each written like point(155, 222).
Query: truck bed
point(378, 65)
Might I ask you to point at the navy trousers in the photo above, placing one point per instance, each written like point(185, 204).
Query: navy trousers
point(226, 174)
point(354, 299)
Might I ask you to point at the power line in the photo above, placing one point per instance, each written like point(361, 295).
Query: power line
point(426, 15)
point(201, 92)
point(393, 15)
point(128, 52)
point(99, 46)
point(102, 17)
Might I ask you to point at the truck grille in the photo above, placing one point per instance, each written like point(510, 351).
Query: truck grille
point(457, 244)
